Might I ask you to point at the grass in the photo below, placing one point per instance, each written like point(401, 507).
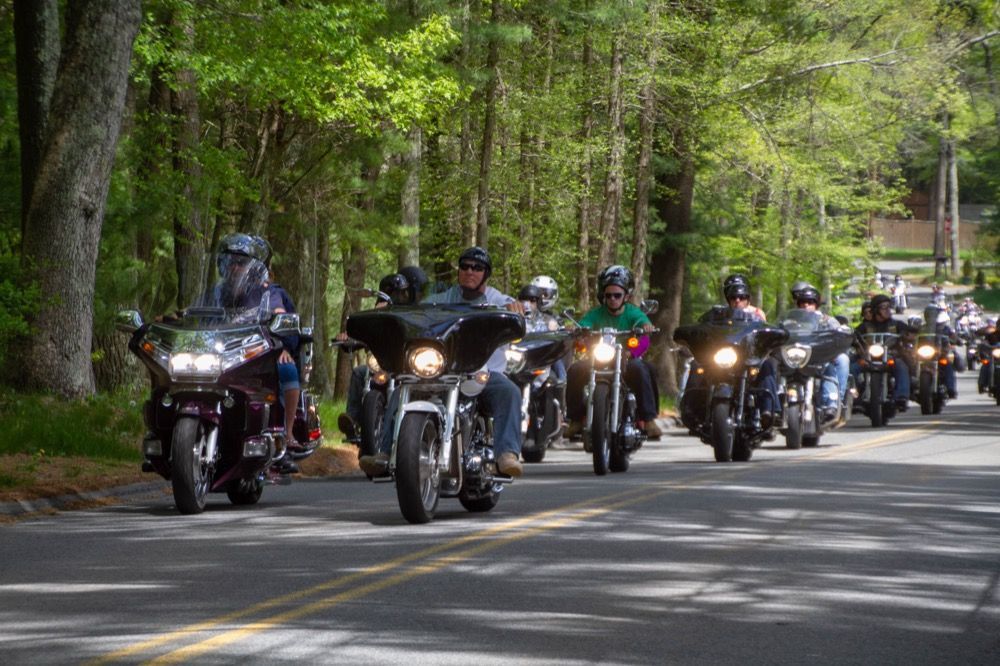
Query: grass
point(104, 427)
point(902, 254)
point(989, 299)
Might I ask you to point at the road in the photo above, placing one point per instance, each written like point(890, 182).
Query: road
point(879, 546)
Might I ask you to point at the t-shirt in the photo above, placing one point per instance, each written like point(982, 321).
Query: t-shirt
point(491, 296)
point(630, 317)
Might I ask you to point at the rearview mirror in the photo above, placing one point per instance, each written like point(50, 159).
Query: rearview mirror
point(650, 306)
point(128, 321)
point(285, 323)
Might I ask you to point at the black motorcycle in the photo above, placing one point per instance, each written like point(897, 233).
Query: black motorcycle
point(729, 352)
point(442, 443)
point(543, 396)
point(934, 353)
point(214, 418)
point(812, 344)
point(877, 358)
point(989, 357)
point(378, 385)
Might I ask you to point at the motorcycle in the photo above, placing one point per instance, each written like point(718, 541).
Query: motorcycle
point(378, 385)
point(811, 345)
point(730, 352)
point(442, 443)
point(543, 396)
point(877, 360)
point(934, 353)
point(899, 300)
point(214, 418)
point(989, 357)
point(610, 430)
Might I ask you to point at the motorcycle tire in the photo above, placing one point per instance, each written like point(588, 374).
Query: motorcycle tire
point(244, 492)
point(722, 432)
point(793, 432)
point(926, 393)
point(810, 441)
point(372, 416)
point(418, 481)
point(536, 452)
point(600, 430)
point(938, 403)
point(875, 382)
point(960, 363)
point(189, 475)
point(742, 450)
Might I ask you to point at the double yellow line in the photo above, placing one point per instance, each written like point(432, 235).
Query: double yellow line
point(423, 562)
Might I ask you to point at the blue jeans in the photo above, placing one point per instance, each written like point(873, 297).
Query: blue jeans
point(356, 393)
point(900, 372)
point(838, 369)
point(501, 399)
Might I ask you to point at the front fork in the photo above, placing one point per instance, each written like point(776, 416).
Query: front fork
point(616, 385)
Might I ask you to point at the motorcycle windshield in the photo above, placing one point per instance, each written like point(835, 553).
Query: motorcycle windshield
point(544, 349)
point(466, 335)
point(705, 338)
point(826, 337)
point(237, 294)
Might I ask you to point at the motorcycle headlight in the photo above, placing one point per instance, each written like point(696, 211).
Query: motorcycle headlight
point(926, 352)
point(603, 352)
point(876, 350)
point(195, 365)
point(796, 356)
point(426, 362)
point(996, 353)
point(725, 357)
point(515, 360)
point(373, 364)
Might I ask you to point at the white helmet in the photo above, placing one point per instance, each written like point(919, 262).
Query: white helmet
point(549, 289)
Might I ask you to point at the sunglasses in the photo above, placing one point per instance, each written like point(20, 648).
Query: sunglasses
point(614, 295)
point(475, 268)
point(740, 298)
point(810, 302)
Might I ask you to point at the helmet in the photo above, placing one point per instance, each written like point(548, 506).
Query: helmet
point(807, 293)
point(479, 255)
point(549, 290)
point(244, 245)
point(799, 286)
point(265, 250)
point(915, 321)
point(395, 286)
point(616, 275)
point(737, 289)
point(418, 281)
point(878, 300)
point(529, 292)
point(735, 278)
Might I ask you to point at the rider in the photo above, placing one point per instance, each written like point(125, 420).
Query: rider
point(535, 320)
point(736, 278)
point(549, 289)
point(807, 298)
point(991, 336)
point(882, 322)
point(938, 323)
point(614, 286)
point(500, 395)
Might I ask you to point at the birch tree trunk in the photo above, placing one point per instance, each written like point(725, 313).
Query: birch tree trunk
point(953, 206)
point(644, 175)
point(586, 168)
point(940, 201)
point(614, 178)
point(409, 251)
point(63, 227)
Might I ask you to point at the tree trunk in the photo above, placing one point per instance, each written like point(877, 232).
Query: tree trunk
point(466, 152)
point(614, 180)
point(66, 213)
point(941, 200)
point(953, 206)
point(643, 179)
point(489, 129)
point(674, 197)
point(409, 252)
point(36, 40)
point(583, 295)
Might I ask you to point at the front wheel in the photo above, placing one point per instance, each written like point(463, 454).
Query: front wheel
point(190, 474)
point(722, 432)
point(372, 413)
point(793, 433)
point(926, 393)
point(875, 405)
point(418, 479)
point(600, 430)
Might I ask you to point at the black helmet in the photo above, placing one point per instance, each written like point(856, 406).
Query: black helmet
point(418, 281)
point(241, 245)
point(735, 278)
point(395, 286)
point(878, 300)
point(797, 287)
point(737, 289)
point(478, 255)
point(616, 275)
point(807, 293)
point(530, 292)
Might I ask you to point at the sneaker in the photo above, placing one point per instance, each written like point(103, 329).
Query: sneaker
point(828, 414)
point(508, 464)
point(375, 465)
point(650, 428)
point(902, 404)
point(347, 425)
point(766, 420)
point(292, 446)
point(573, 429)
point(952, 395)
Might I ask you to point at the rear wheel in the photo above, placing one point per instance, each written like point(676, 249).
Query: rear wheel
point(926, 393)
point(372, 413)
point(793, 433)
point(244, 492)
point(418, 480)
point(600, 430)
point(875, 382)
point(190, 475)
point(722, 432)
point(479, 502)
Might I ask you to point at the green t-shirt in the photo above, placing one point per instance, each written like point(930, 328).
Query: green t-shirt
point(630, 317)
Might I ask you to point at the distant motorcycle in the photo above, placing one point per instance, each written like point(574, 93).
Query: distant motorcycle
point(378, 385)
point(543, 396)
point(442, 443)
point(989, 356)
point(934, 352)
point(877, 359)
point(214, 422)
point(729, 352)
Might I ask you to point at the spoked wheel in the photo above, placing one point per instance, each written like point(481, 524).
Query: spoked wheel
point(244, 492)
point(418, 478)
point(722, 432)
point(600, 430)
point(926, 393)
point(793, 433)
point(372, 411)
point(190, 474)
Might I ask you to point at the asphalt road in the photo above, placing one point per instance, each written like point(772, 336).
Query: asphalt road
point(879, 546)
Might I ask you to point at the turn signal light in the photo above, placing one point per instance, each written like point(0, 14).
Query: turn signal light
point(943, 361)
point(633, 342)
